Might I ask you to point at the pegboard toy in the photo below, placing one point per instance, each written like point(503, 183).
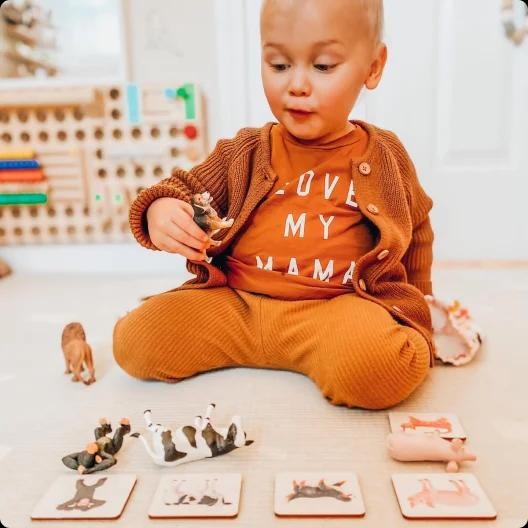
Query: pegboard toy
point(22, 181)
point(73, 158)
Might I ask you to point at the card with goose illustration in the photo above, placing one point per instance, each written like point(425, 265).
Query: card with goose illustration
point(197, 495)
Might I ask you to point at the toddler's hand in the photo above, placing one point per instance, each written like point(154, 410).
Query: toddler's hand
point(172, 228)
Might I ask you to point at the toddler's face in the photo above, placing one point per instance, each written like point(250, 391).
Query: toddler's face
point(300, 72)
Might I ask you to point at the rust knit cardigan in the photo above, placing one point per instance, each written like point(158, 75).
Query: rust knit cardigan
point(396, 273)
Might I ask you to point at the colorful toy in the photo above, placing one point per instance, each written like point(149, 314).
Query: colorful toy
point(207, 218)
point(98, 146)
point(77, 352)
point(407, 447)
point(190, 443)
point(99, 455)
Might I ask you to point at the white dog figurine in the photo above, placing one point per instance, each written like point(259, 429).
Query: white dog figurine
point(190, 443)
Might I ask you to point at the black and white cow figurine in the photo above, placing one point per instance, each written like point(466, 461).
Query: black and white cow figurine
point(189, 443)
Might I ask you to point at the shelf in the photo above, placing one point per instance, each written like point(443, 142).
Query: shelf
point(50, 68)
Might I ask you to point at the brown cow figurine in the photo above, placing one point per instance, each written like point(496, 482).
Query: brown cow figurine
point(77, 353)
point(207, 218)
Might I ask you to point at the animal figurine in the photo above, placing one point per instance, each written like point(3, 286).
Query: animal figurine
point(190, 443)
point(207, 218)
point(300, 490)
point(77, 353)
point(407, 447)
point(5, 270)
point(432, 497)
point(99, 455)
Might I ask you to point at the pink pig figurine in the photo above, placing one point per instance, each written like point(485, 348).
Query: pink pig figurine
point(428, 447)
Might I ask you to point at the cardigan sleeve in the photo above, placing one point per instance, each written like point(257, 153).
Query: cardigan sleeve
point(418, 258)
point(210, 175)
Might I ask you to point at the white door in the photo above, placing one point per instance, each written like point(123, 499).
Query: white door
point(455, 91)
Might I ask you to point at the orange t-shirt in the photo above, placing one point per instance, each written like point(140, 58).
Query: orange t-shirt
point(303, 240)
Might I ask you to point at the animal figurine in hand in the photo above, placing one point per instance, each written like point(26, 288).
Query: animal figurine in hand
point(77, 353)
point(207, 218)
point(99, 455)
point(407, 447)
point(189, 443)
point(5, 270)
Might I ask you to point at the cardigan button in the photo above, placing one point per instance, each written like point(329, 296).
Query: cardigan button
point(372, 208)
point(383, 254)
point(362, 285)
point(364, 168)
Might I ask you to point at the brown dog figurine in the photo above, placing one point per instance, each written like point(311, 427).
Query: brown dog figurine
point(77, 352)
point(207, 218)
point(5, 270)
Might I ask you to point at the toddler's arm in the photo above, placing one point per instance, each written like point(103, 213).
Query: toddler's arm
point(418, 258)
point(210, 175)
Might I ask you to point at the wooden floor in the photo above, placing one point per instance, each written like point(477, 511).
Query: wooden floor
point(45, 416)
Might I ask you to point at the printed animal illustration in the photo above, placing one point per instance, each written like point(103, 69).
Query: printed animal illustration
point(99, 455)
point(461, 496)
point(77, 353)
point(190, 443)
point(209, 496)
point(84, 497)
point(301, 489)
point(442, 425)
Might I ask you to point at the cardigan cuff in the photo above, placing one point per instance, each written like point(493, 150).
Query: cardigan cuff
point(138, 210)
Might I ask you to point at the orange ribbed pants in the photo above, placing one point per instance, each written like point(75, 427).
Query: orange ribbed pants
point(352, 348)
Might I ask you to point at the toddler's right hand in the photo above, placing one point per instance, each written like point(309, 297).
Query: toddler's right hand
point(172, 228)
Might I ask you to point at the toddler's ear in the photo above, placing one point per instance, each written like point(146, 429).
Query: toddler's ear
point(377, 66)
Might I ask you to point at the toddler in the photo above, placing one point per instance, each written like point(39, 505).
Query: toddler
point(325, 268)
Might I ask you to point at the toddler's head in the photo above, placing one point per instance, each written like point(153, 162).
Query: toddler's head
point(316, 56)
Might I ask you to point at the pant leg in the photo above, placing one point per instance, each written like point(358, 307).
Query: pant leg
point(352, 348)
point(178, 334)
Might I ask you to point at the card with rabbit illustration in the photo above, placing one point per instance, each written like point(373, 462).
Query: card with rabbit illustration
point(322, 494)
point(447, 425)
point(442, 496)
point(85, 497)
point(197, 495)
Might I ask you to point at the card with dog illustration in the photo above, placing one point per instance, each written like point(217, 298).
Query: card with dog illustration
point(318, 495)
point(442, 496)
point(197, 495)
point(85, 497)
point(448, 425)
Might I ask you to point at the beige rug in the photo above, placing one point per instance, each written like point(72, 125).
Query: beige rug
point(44, 416)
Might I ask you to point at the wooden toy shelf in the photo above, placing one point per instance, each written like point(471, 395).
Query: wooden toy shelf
point(97, 147)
